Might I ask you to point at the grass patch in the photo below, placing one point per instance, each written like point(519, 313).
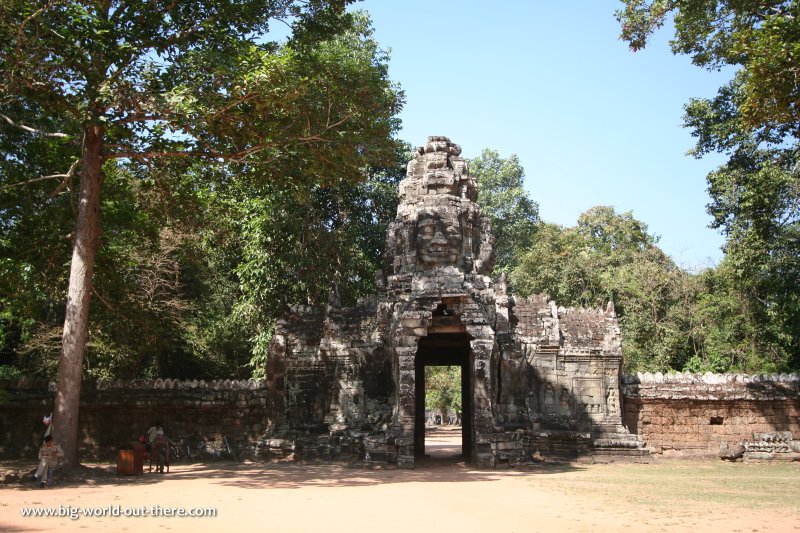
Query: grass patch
point(689, 486)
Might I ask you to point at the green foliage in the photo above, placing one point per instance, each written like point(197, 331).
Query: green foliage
point(655, 306)
point(9, 372)
point(617, 236)
point(757, 209)
point(725, 330)
point(572, 264)
point(32, 273)
point(610, 257)
point(443, 389)
point(194, 278)
point(669, 319)
point(217, 141)
point(755, 202)
point(763, 38)
point(557, 264)
point(502, 197)
point(755, 196)
point(302, 246)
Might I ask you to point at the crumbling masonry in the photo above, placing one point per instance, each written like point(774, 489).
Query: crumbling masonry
point(348, 383)
point(536, 378)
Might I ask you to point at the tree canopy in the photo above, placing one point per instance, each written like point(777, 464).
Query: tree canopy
point(112, 88)
point(443, 390)
point(608, 256)
point(762, 38)
point(502, 197)
point(755, 121)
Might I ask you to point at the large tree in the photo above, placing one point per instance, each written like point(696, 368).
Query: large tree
point(137, 80)
point(311, 246)
point(755, 121)
point(503, 198)
point(610, 256)
point(443, 391)
point(761, 37)
point(572, 264)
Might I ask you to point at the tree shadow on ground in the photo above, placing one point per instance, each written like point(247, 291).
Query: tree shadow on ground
point(294, 475)
point(6, 528)
point(326, 475)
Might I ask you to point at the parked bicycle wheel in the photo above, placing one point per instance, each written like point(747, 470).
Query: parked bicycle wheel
point(237, 452)
point(175, 454)
point(248, 452)
point(186, 448)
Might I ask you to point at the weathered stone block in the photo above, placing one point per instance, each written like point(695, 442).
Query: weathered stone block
point(405, 461)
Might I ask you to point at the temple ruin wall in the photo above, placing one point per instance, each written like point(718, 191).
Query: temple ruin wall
point(113, 414)
point(686, 414)
point(674, 414)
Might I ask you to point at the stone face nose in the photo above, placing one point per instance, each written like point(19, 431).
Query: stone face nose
point(438, 239)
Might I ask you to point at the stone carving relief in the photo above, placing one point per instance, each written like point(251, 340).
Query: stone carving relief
point(438, 240)
point(533, 366)
point(438, 223)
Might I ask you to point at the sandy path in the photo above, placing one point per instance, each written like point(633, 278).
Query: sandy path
point(441, 495)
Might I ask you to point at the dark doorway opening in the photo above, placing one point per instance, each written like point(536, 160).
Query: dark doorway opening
point(444, 349)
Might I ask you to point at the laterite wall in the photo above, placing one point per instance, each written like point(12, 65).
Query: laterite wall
point(693, 414)
point(114, 413)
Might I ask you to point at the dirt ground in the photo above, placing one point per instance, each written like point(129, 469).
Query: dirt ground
point(442, 494)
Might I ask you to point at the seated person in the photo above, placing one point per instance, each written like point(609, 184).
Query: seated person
point(49, 455)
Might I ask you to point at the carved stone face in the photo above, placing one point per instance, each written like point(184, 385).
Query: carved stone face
point(438, 240)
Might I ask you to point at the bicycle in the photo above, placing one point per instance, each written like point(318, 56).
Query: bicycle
point(227, 446)
point(186, 446)
point(249, 450)
point(196, 448)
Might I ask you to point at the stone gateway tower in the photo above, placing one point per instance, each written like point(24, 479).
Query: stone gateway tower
point(537, 379)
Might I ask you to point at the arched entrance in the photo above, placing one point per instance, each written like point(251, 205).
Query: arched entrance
point(447, 344)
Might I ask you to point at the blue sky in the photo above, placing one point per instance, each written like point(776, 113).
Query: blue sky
point(592, 122)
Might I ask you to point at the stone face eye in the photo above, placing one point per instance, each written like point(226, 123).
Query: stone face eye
point(427, 229)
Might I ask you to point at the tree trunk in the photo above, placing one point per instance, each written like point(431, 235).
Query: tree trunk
point(76, 323)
